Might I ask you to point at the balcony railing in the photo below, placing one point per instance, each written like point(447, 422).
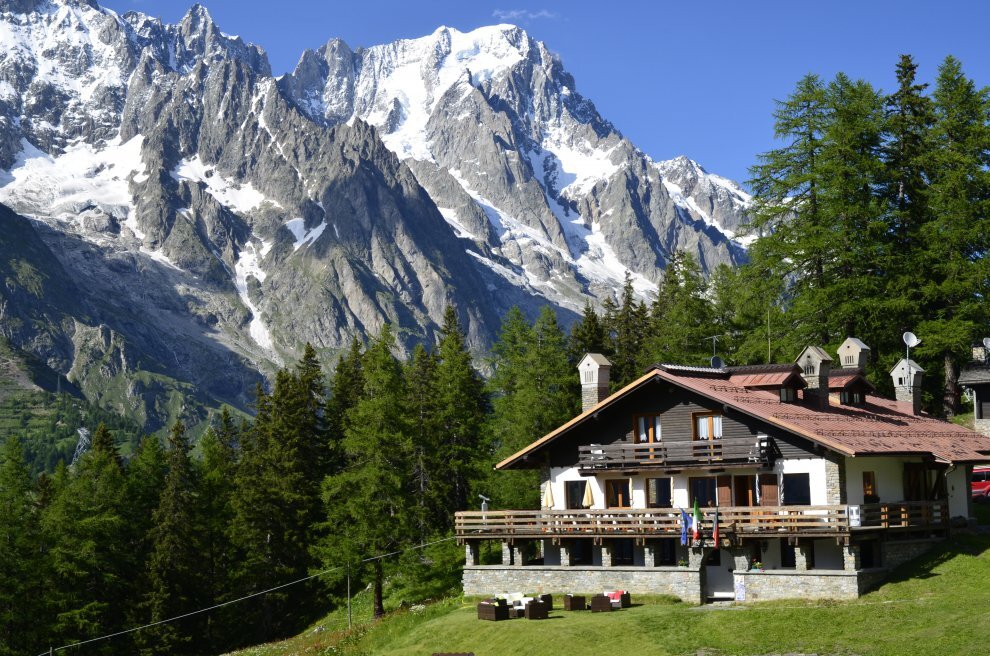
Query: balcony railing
point(734, 522)
point(696, 453)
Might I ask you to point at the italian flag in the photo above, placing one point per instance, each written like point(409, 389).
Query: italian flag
point(696, 522)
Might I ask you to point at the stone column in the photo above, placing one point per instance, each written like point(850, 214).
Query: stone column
point(472, 554)
point(850, 558)
point(696, 556)
point(740, 560)
point(519, 554)
point(506, 553)
point(606, 555)
point(565, 553)
point(650, 554)
point(835, 481)
point(801, 552)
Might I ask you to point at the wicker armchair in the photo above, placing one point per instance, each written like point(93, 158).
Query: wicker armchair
point(601, 604)
point(547, 599)
point(536, 610)
point(622, 600)
point(493, 610)
point(575, 602)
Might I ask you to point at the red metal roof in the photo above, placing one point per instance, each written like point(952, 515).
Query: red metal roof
point(875, 428)
point(878, 427)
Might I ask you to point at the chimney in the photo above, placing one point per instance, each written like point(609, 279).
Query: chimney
point(594, 369)
point(907, 377)
point(815, 366)
point(853, 354)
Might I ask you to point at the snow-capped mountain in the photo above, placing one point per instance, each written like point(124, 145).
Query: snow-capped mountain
point(208, 217)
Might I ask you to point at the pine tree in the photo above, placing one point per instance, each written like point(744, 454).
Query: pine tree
point(681, 317)
point(21, 607)
point(89, 553)
point(629, 326)
point(460, 410)
point(215, 512)
point(369, 504)
point(175, 556)
point(956, 238)
point(589, 335)
point(103, 442)
point(425, 461)
point(345, 389)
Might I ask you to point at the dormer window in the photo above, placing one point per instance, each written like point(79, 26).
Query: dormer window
point(809, 369)
point(851, 398)
point(787, 395)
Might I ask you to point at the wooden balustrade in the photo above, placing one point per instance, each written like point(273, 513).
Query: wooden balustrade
point(742, 522)
point(724, 451)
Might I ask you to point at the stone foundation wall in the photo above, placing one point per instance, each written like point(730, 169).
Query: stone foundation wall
point(897, 553)
point(790, 584)
point(676, 581)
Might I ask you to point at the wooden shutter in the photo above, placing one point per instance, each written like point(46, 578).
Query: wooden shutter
point(723, 486)
point(769, 495)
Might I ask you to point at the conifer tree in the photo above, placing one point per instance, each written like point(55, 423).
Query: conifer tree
point(460, 410)
point(369, 504)
point(215, 512)
point(92, 566)
point(345, 389)
point(956, 238)
point(21, 607)
point(174, 583)
point(425, 461)
point(681, 317)
point(589, 335)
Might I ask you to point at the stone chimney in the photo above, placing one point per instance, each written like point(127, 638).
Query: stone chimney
point(853, 354)
point(594, 369)
point(907, 377)
point(815, 366)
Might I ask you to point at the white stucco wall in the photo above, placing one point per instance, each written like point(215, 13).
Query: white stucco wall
point(815, 468)
point(889, 476)
point(959, 493)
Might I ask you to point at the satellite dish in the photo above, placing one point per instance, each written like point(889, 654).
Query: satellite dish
point(717, 362)
point(911, 340)
point(986, 343)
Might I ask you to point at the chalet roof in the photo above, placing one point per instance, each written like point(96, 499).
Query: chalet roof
point(878, 427)
point(975, 374)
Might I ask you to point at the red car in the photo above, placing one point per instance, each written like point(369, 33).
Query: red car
point(981, 483)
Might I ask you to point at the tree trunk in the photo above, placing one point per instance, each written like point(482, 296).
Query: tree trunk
point(379, 605)
point(950, 396)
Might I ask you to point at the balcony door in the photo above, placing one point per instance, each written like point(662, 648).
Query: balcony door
point(646, 430)
point(617, 493)
point(745, 491)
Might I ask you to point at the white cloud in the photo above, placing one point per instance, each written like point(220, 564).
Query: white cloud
point(522, 14)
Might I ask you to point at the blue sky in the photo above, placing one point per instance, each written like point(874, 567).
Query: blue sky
point(676, 77)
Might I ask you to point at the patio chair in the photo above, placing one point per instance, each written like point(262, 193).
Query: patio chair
point(575, 602)
point(601, 604)
point(536, 610)
point(619, 598)
point(547, 599)
point(493, 610)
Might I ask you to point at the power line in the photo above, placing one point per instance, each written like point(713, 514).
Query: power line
point(244, 598)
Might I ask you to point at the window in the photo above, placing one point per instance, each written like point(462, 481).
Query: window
point(809, 370)
point(646, 428)
point(851, 398)
point(797, 490)
point(849, 359)
point(788, 558)
point(708, 426)
point(666, 552)
point(617, 493)
point(658, 493)
point(574, 491)
point(703, 490)
point(787, 395)
point(870, 487)
point(622, 552)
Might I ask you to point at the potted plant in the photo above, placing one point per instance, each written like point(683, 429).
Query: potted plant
point(756, 566)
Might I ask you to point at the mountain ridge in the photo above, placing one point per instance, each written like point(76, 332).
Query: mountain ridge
point(368, 186)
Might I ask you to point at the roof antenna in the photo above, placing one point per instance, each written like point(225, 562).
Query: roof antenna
point(911, 340)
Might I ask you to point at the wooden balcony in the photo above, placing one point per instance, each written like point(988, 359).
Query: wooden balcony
point(727, 451)
point(735, 523)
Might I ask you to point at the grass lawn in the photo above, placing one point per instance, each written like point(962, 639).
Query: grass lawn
point(938, 605)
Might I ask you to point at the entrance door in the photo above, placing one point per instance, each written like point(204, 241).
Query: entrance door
point(915, 481)
point(719, 581)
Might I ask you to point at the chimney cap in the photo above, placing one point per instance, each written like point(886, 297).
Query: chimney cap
point(594, 359)
point(816, 352)
point(853, 342)
point(911, 365)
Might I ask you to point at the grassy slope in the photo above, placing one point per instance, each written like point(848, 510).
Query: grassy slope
point(936, 605)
